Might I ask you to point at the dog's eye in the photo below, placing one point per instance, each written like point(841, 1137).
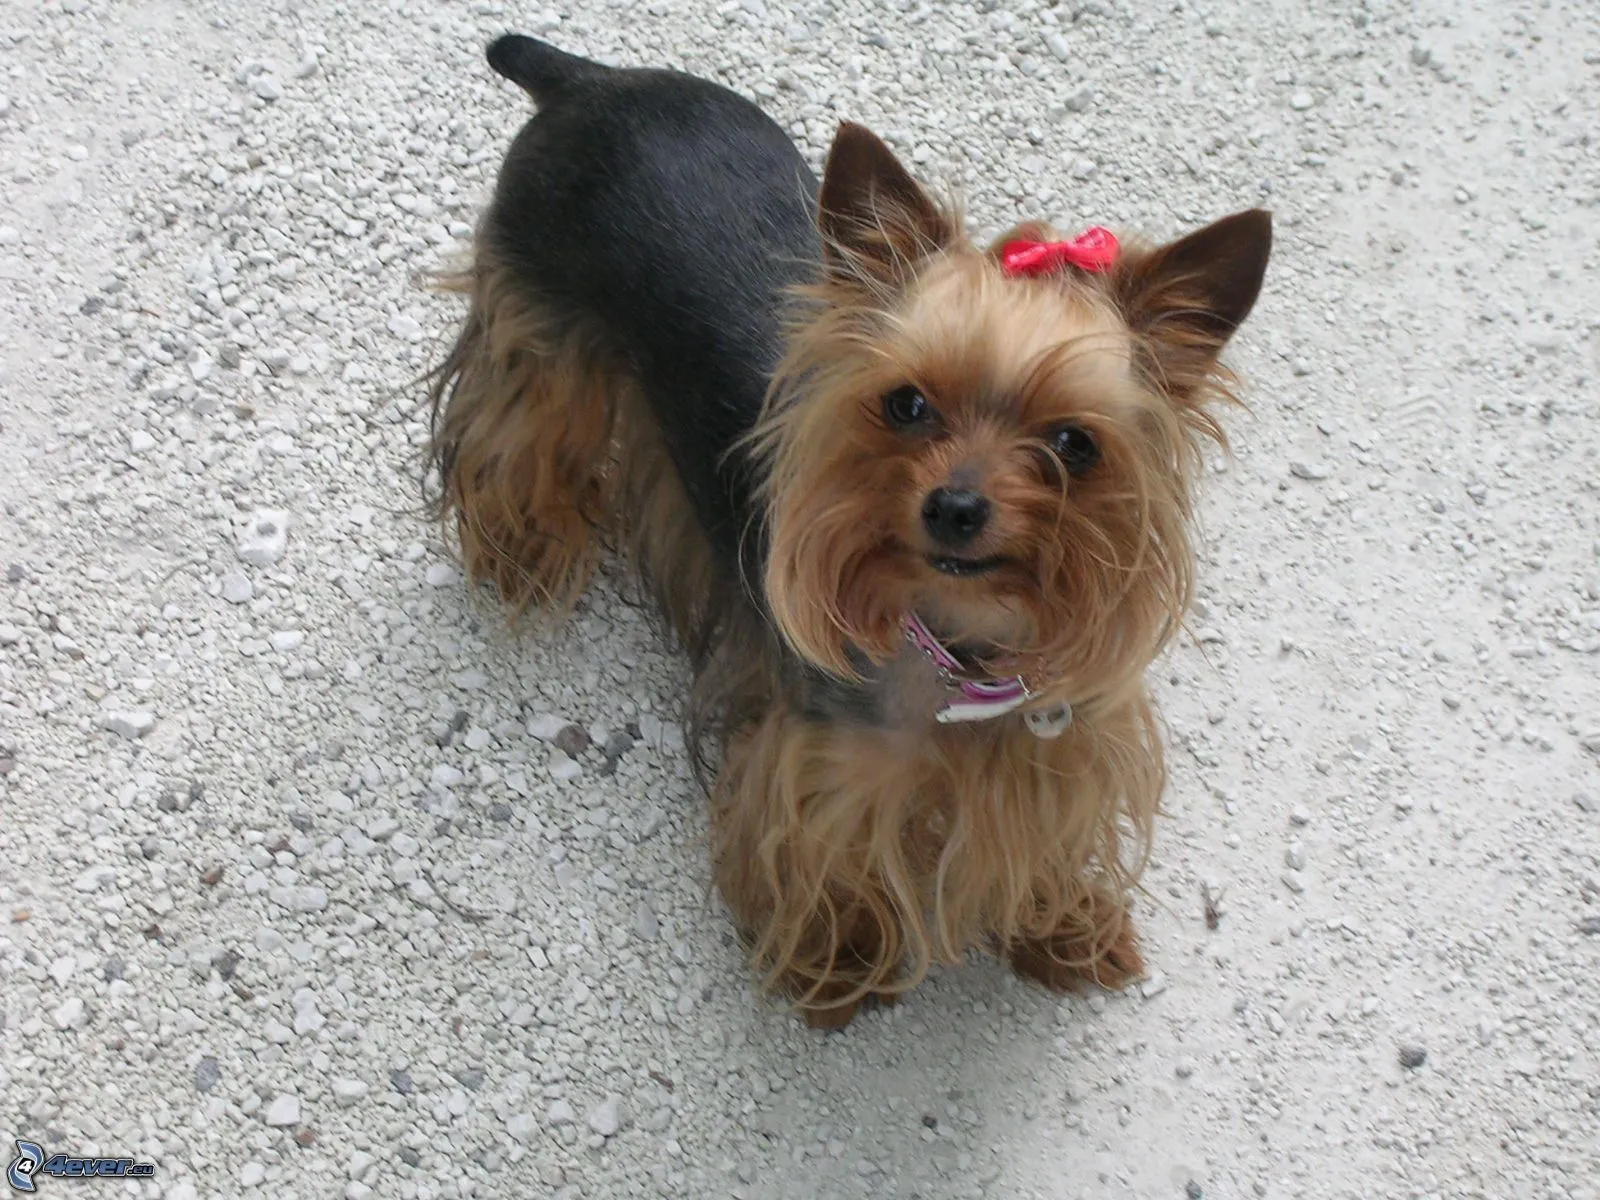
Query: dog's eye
point(906, 407)
point(1077, 449)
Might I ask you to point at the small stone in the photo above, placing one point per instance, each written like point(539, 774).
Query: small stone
point(1301, 101)
point(440, 575)
point(286, 640)
point(1412, 1057)
point(348, 1091)
point(266, 87)
point(1058, 46)
point(1299, 815)
point(62, 969)
point(405, 328)
point(131, 725)
point(10, 635)
point(284, 1111)
point(470, 1078)
point(262, 541)
point(565, 768)
point(306, 67)
point(1083, 168)
point(237, 588)
point(1295, 857)
point(546, 726)
point(606, 1118)
point(561, 1113)
point(400, 1081)
point(572, 740)
point(140, 441)
point(227, 963)
point(207, 1074)
point(500, 811)
point(69, 1014)
point(520, 1127)
point(1079, 101)
point(252, 1174)
point(1293, 882)
point(1193, 1191)
point(410, 1157)
point(645, 924)
point(1306, 469)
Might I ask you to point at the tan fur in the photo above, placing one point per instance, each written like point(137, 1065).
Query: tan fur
point(547, 457)
point(1003, 357)
point(525, 413)
point(854, 860)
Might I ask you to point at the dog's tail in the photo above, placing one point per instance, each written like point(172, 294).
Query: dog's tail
point(538, 68)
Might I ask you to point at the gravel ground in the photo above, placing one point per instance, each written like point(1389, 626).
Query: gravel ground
point(315, 882)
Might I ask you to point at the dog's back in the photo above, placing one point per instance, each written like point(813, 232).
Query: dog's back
point(673, 213)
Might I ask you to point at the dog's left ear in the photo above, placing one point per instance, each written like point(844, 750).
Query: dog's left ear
point(1188, 297)
point(877, 222)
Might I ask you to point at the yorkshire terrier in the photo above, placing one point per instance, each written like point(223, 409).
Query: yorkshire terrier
point(918, 511)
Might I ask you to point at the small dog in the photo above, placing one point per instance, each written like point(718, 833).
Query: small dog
point(918, 511)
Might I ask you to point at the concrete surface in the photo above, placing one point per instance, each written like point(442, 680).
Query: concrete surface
point(299, 896)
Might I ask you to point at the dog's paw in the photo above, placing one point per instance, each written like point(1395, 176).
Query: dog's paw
point(1102, 949)
point(834, 1006)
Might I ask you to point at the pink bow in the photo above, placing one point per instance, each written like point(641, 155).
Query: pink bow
point(1092, 250)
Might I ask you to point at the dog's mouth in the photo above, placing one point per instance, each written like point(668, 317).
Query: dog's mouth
point(965, 568)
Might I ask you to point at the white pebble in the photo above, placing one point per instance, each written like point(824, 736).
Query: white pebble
point(237, 588)
point(69, 1014)
point(606, 1118)
point(262, 540)
point(284, 1111)
point(1305, 469)
point(140, 441)
point(131, 725)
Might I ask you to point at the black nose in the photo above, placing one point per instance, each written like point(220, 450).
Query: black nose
point(954, 517)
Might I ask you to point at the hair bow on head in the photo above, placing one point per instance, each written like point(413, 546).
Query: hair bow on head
point(1092, 250)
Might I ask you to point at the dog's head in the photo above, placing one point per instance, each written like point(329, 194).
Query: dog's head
point(1008, 456)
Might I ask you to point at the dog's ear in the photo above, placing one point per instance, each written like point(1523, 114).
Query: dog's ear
point(1188, 297)
point(876, 221)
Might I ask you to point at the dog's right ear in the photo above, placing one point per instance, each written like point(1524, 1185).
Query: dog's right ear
point(877, 222)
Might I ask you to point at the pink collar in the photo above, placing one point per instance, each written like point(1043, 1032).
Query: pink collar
point(978, 699)
point(983, 699)
point(1093, 250)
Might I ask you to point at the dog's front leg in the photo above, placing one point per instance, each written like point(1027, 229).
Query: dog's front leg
point(807, 820)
